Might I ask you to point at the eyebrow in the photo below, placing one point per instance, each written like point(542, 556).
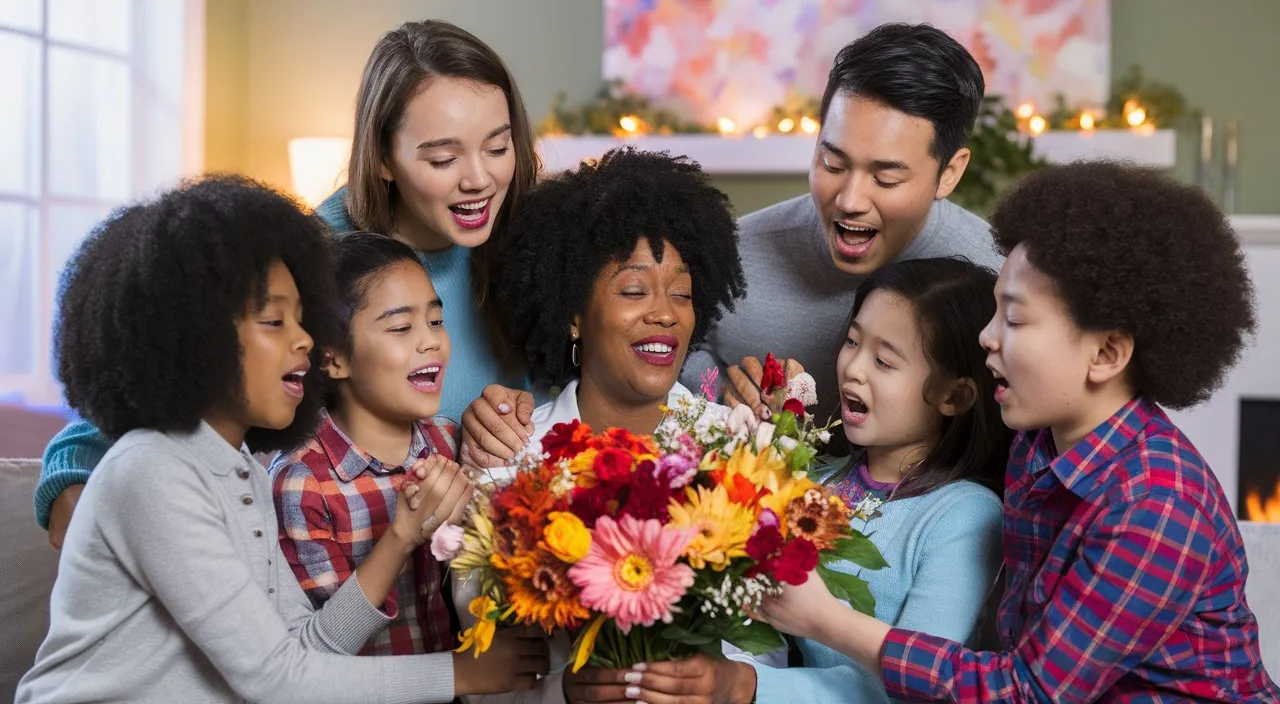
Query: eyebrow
point(1012, 298)
point(454, 141)
point(401, 310)
point(876, 164)
point(682, 269)
point(888, 345)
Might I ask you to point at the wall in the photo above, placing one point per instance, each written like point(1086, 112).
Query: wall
point(299, 63)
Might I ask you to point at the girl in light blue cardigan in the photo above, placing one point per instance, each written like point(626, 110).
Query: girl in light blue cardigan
point(920, 408)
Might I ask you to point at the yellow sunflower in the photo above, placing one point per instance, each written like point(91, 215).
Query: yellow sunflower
point(723, 526)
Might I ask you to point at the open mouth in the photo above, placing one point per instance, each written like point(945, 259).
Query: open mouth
point(1002, 386)
point(472, 214)
point(293, 380)
point(659, 350)
point(427, 378)
point(854, 410)
point(854, 241)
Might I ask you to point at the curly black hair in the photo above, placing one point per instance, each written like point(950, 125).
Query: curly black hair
point(569, 227)
point(1130, 249)
point(146, 333)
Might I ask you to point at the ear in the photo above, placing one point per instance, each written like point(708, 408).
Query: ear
point(1113, 350)
point(959, 398)
point(336, 365)
point(575, 327)
point(951, 173)
point(384, 171)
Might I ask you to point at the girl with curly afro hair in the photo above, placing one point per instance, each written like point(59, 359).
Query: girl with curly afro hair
point(190, 329)
point(1124, 291)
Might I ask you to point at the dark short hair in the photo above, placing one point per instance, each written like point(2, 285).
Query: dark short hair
point(574, 224)
point(916, 69)
point(146, 333)
point(361, 259)
point(953, 301)
point(1133, 250)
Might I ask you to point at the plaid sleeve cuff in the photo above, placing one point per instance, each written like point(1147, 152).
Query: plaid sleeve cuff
point(914, 664)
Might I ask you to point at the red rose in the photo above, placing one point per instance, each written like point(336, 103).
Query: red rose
point(559, 442)
point(798, 558)
point(794, 405)
point(613, 465)
point(647, 497)
point(772, 378)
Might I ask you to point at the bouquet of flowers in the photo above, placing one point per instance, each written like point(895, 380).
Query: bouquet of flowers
point(656, 547)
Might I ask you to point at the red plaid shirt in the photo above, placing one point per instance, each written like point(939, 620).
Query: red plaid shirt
point(1125, 582)
point(333, 502)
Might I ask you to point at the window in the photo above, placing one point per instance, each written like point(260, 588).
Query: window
point(101, 102)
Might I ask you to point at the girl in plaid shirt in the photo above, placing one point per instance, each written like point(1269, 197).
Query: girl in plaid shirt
point(341, 497)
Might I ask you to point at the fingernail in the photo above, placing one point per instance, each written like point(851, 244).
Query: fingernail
point(640, 666)
point(632, 693)
point(633, 677)
point(504, 408)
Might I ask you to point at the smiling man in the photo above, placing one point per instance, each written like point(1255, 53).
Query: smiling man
point(899, 104)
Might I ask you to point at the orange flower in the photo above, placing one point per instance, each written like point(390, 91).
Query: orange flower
point(539, 590)
point(818, 518)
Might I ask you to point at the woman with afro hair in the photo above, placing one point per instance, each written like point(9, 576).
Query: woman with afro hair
point(610, 274)
point(188, 332)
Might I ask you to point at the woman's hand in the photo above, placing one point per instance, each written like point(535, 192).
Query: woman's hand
point(496, 426)
point(700, 679)
point(744, 383)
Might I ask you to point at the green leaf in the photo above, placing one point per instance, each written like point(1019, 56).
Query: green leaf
point(786, 425)
point(756, 637)
point(800, 458)
point(679, 634)
point(850, 588)
point(858, 549)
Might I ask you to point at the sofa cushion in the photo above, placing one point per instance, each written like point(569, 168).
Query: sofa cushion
point(29, 566)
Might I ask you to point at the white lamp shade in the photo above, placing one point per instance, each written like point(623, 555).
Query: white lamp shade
point(318, 166)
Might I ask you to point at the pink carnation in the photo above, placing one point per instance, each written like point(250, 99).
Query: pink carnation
point(631, 574)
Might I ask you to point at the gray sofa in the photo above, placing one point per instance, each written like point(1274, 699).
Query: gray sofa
point(29, 567)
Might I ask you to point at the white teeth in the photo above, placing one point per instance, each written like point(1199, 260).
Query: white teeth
point(860, 230)
point(426, 370)
point(297, 376)
point(479, 205)
point(655, 348)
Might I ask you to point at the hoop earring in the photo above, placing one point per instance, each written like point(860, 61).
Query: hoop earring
point(573, 355)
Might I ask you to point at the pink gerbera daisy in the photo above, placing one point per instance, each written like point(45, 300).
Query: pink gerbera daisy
point(631, 574)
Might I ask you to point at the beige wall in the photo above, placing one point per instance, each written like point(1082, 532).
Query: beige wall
point(286, 68)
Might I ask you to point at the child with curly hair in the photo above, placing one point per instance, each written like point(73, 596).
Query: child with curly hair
point(1123, 291)
point(196, 319)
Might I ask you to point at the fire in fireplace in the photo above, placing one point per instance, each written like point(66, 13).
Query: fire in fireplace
point(1259, 493)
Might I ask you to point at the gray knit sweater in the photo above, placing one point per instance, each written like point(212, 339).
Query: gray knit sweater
point(172, 588)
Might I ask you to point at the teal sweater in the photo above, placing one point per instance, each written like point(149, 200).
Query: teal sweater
point(74, 452)
point(944, 552)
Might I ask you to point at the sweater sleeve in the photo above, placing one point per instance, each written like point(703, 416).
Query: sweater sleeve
point(68, 459)
point(960, 556)
point(196, 573)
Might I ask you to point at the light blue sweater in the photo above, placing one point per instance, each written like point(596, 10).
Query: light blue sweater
point(73, 453)
point(944, 552)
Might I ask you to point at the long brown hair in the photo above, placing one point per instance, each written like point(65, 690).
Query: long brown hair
point(402, 61)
